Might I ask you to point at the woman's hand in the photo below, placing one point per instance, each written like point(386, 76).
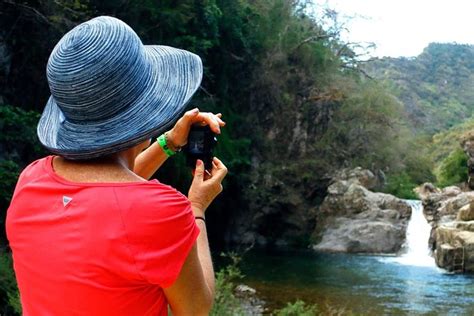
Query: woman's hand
point(205, 187)
point(178, 135)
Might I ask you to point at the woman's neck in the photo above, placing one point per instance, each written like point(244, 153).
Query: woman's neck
point(113, 168)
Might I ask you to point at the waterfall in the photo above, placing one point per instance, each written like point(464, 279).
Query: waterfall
point(416, 245)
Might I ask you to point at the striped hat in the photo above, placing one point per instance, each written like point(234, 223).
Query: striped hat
point(110, 92)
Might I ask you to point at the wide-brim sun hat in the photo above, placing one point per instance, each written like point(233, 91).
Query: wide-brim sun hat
point(110, 92)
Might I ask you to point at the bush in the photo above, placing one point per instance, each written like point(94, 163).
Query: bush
point(298, 308)
point(453, 169)
point(401, 185)
point(18, 138)
point(9, 172)
point(225, 302)
point(9, 296)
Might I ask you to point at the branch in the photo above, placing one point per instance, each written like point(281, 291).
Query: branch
point(31, 9)
point(66, 8)
point(362, 71)
point(206, 92)
point(312, 38)
point(367, 60)
point(236, 57)
point(341, 50)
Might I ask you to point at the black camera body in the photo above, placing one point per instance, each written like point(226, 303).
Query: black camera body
point(201, 143)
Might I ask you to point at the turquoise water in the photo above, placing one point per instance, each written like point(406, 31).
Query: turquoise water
point(367, 285)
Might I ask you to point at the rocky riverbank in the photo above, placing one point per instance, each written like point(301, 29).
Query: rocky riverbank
point(354, 219)
point(450, 212)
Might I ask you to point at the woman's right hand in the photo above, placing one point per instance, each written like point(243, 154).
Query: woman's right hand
point(204, 187)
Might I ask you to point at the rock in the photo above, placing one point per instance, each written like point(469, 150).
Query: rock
point(362, 236)
point(249, 302)
point(452, 238)
point(425, 189)
point(450, 212)
point(245, 289)
point(358, 175)
point(445, 256)
point(466, 213)
point(469, 225)
point(455, 249)
point(451, 191)
point(356, 220)
point(453, 204)
point(443, 206)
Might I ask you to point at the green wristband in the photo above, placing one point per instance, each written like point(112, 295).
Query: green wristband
point(163, 144)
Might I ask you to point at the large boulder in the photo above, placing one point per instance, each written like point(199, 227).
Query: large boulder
point(466, 213)
point(356, 220)
point(451, 214)
point(426, 189)
point(362, 236)
point(364, 177)
point(455, 249)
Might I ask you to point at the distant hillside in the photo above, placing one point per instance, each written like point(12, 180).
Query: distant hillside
point(436, 87)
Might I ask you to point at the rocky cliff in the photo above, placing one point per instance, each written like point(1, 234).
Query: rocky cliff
point(354, 219)
point(287, 182)
point(450, 212)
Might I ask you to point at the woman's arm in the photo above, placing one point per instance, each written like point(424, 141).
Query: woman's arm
point(151, 159)
point(193, 292)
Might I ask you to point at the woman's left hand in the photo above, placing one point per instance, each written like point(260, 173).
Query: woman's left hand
point(178, 135)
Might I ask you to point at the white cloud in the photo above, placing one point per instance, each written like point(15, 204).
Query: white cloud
point(405, 27)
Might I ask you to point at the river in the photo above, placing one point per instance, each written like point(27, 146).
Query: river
point(409, 284)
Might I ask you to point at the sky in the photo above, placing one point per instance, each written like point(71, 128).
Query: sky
point(405, 27)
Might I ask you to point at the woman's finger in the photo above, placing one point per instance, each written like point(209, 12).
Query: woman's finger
point(221, 122)
point(189, 115)
point(207, 175)
point(207, 118)
point(211, 120)
point(214, 168)
point(219, 170)
point(199, 171)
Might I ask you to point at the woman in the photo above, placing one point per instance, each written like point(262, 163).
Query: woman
point(90, 235)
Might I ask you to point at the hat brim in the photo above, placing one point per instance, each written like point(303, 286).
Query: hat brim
point(174, 77)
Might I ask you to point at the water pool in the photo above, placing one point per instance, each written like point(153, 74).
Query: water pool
point(367, 285)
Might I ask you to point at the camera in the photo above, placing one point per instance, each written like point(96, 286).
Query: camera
point(201, 142)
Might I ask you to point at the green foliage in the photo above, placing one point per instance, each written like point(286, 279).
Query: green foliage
point(453, 169)
point(445, 142)
point(19, 145)
point(225, 303)
point(9, 172)
point(365, 130)
point(9, 296)
point(18, 137)
point(436, 86)
point(298, 308)
point(401, 185)
point(17, 124)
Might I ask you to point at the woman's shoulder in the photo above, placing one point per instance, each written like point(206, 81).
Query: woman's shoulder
point(151, 195)
point(33, 169)
point(151, 207)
